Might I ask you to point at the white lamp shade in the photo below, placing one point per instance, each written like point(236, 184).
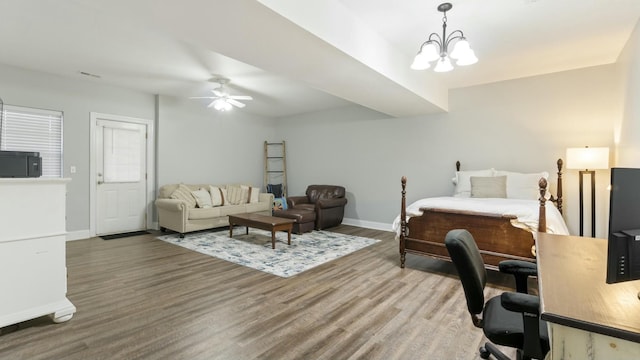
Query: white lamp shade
point(460, 49)
point(468, 59)
point(588, 158)
point(443, 65)
point(430, 51)
point(420, 62)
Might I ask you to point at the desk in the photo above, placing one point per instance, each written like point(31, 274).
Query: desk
point(587, 318)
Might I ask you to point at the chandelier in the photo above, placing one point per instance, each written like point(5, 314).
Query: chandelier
point(437, 48)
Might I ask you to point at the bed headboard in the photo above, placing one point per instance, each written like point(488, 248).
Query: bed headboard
point(557, 200)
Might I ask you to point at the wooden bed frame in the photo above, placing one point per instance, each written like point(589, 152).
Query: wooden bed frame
point(497, 239)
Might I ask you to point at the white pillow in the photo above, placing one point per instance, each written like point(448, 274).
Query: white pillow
point(523, 186)
point(463, 181)
point(203, 198)
point(254, 195)
point(216, 196)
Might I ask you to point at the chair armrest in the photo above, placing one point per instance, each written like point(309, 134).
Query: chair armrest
point(529, 306)
point(296, 200)
point(518, 267)
point(331, 203)
point(519, 302)
point(521, 270)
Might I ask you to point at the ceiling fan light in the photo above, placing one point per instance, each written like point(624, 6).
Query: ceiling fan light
point(443, 65)
point(420, 62)
point(219, 104)
point(468, 59)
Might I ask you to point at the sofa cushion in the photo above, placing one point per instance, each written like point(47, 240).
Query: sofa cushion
point(255, 207)
point(233, 209)
point(205, 213)
point(184, 193)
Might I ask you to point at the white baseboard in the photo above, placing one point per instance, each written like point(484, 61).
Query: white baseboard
point(368, 224)
point(78, 235)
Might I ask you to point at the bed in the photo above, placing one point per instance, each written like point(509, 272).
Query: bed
point(504, 227)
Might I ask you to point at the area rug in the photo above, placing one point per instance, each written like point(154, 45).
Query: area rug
point(254, 250)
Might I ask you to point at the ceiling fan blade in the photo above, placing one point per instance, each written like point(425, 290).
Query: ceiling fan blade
point(241, 97)
point(235, 103)
point(203, 97)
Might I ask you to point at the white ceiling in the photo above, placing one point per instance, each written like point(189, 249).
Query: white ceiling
point(297, 56)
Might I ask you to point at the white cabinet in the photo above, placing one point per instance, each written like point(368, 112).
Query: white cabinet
point(33, 270)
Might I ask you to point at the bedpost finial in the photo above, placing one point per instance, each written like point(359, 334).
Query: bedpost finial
point(560, 163)
point(403, 180)
point(542, 183)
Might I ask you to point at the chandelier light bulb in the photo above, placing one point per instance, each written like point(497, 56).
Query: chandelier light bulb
point(443, 65)
point(468, 59)
point(420, 62)
point(430, 51)
point(460, 49)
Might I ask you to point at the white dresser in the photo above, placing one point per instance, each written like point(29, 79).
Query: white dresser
point(33, 270)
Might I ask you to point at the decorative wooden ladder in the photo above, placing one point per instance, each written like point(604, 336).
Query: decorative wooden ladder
point(275, 165)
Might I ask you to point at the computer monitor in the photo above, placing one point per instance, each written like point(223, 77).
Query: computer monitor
point(623, 253)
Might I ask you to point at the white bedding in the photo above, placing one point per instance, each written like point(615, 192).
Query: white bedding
point(526, 211)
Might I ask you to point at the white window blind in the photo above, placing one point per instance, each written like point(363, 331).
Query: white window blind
point(34, 130)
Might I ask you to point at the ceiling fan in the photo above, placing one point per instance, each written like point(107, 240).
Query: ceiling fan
point(222, 100)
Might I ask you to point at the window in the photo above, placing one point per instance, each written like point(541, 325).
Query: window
point(34, 130)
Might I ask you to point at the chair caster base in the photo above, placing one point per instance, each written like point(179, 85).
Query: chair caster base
point(484, 353)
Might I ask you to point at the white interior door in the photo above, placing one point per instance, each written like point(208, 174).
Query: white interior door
point(121, 176)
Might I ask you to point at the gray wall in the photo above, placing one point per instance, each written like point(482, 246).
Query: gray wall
point(194, 143)
point(197, 144)
point(519, 125)
point(77, 98)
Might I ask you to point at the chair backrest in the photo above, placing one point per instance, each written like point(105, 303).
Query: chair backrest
point(315, 192)
point(466, 257)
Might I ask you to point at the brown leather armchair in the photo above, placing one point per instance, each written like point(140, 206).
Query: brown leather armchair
point(328, 202)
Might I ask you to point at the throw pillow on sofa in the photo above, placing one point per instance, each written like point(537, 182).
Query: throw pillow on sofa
point(203, 198)
point(217, 199)
point(254, 195)
point(238, 194)
point(184, 193)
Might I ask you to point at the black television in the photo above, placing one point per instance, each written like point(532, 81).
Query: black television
point(623, 250)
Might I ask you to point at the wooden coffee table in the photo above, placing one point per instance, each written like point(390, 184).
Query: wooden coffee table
point(263, 222)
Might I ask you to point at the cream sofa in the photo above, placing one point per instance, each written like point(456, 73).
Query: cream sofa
point(181, 216)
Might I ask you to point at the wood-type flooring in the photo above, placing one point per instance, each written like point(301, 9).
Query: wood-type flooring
point(142, 298)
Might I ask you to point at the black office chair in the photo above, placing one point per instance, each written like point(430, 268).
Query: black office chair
point(511, 319)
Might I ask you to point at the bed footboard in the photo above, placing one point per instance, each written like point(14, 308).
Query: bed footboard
point(495, 235)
